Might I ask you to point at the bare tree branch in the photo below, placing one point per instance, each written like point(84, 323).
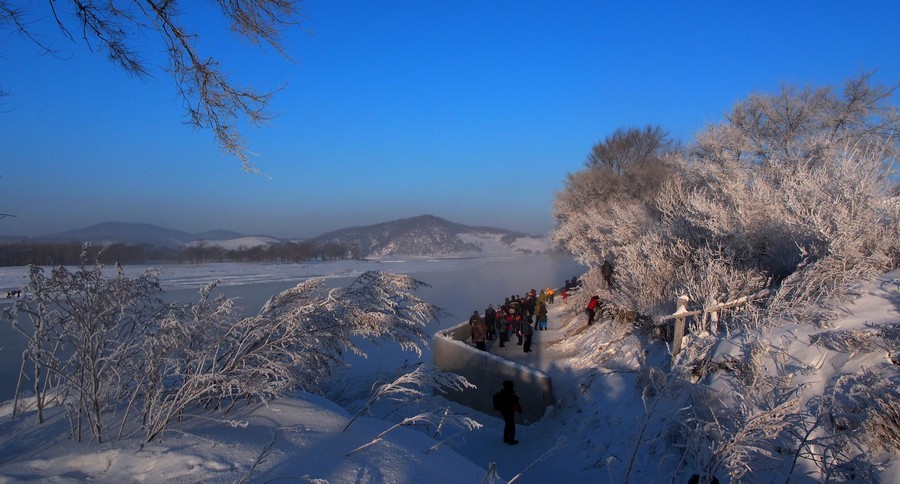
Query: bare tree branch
point(211, 99)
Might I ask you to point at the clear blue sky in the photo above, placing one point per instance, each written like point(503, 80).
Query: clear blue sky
point(469, 110)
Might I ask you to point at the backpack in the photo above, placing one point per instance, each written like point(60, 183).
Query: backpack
point(527, 329)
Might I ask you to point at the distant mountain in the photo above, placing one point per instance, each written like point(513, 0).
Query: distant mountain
point(430, 236)
point(424, 236)
point(109, 233)
point(220, 235)
point(237, 243)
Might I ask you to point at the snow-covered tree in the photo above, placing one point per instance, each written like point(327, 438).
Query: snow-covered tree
point(793, 189)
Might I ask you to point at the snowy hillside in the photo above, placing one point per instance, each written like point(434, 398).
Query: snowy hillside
point(430, 236)
point(109, 233)
point(789, 404)
point(237, 243)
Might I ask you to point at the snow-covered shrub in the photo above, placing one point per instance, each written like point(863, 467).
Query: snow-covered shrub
point(114, 354)
point(740, 430)
point(866, 408)
point(86, 331)
point(411, 386)
point(295, 341)
point(848, 341)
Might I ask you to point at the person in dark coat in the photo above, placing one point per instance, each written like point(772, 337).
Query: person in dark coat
point(490, 320)
point(528, 333)
point(517, 325)
point(505, 322)
point(507, 403)
point(607, 271)
point(474, 317)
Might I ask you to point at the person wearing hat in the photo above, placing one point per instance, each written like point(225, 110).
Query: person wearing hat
point(507, 403)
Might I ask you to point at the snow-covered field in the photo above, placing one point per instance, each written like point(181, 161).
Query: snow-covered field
point(596, 432)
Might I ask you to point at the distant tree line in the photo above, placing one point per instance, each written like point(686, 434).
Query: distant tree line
point(70, 253)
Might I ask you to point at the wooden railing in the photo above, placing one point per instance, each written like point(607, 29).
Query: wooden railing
point(710, 320)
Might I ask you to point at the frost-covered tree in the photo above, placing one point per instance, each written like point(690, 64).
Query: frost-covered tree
point(117, 27)
point(805, 125)
point(792, 190)
point(626, 151)
point(608, 205)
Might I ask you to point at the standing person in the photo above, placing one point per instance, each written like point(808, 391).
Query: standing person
point(505, 323)
point(607, 271)
point(529, 303)
point(517, 325)
point(528, 332)
point(550, 295)
point(507, 403)
point(541, 316)
point(472, 320)
point(490, 316)
point(513, 303)
point(479, 334)
point(591, 308)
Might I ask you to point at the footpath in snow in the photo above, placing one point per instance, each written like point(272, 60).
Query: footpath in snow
point(560, 447)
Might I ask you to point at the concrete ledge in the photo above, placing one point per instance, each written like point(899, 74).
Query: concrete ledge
point(487, 371)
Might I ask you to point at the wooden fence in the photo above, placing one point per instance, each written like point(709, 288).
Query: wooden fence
point(710, 320)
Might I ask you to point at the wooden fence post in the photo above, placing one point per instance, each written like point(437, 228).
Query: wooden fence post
point(713, 324)
point(681, 308)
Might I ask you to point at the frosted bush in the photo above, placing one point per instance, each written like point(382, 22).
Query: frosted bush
point(116, 356)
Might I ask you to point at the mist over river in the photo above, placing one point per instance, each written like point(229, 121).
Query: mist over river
point(458, 286)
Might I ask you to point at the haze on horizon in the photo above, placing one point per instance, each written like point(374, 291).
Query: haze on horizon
point(473, 112)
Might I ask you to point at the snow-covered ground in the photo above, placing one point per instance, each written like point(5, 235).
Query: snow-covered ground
point(593, 434)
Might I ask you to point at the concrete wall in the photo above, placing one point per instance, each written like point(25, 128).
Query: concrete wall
point(487, 371)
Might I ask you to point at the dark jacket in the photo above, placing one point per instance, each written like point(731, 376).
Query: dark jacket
point(507, 402)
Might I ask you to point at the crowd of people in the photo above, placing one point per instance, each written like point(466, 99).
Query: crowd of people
point(518, 316)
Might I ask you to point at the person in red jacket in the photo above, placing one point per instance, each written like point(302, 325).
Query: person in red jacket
point(592, 307)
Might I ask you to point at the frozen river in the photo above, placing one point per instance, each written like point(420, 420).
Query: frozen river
point(458, 286)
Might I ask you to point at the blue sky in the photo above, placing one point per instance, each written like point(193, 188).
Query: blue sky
point(471, 111)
